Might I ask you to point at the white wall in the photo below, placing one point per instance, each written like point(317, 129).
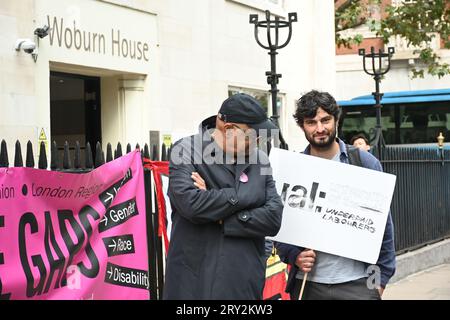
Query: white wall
point(19, 116)
point(204, 51)
point(197, 50)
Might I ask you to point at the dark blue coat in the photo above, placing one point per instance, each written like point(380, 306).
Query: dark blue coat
point(217, 239)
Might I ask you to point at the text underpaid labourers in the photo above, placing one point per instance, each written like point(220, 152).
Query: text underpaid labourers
point(334, 201)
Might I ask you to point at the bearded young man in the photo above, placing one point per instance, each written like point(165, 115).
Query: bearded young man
point(333, 277)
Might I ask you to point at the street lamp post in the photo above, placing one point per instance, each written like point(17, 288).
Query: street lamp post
point(274, 44)
point(377, 71)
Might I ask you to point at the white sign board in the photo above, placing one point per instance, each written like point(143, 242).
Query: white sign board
point(330, 206)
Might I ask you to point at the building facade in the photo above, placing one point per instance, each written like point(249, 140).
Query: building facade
point(349, 65)
point(420, 110)
point(149, 71)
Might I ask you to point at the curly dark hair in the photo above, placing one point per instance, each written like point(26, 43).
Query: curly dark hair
point(308, 104)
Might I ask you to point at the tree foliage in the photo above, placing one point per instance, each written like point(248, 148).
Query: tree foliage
point(418, 23)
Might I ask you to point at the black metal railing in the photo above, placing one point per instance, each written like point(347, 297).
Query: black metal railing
point(420, 205)
point(421, 202)
point(71, 162)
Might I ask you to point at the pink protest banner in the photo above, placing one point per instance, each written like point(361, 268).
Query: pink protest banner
point(74, 236)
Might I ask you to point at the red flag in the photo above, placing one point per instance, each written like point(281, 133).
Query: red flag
point(158, 168)
point(276, 275)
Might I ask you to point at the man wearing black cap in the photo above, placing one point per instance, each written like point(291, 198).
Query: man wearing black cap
point(224, 203)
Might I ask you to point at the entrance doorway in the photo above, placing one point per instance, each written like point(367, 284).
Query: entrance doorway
point(75, 111)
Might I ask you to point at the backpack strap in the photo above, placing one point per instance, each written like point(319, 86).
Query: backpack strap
point(354, 157)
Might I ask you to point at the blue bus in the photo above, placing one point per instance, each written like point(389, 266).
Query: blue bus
point(407, 117)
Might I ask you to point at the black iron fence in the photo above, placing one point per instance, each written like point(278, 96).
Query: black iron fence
point(71, 162)
point(421, 202)
point(420, 206)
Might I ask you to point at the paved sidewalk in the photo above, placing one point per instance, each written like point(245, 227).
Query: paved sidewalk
point(431, 284)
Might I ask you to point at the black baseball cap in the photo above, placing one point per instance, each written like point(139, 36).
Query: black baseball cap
point(243, 108)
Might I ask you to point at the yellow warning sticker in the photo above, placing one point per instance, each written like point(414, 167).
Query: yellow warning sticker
point(42, 136)
point(167, 140)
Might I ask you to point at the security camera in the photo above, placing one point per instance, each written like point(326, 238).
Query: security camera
point(27, 45)
point(42, 32)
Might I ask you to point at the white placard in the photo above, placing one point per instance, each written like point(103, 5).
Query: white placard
point(331, 206)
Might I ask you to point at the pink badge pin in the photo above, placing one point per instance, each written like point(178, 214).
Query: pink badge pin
point(243, 178)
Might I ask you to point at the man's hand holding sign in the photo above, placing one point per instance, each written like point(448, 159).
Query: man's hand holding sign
point(305, 260)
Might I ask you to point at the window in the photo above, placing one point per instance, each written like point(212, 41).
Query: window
point(401, 123)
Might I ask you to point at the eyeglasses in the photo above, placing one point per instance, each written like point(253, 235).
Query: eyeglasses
point(244, 131)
